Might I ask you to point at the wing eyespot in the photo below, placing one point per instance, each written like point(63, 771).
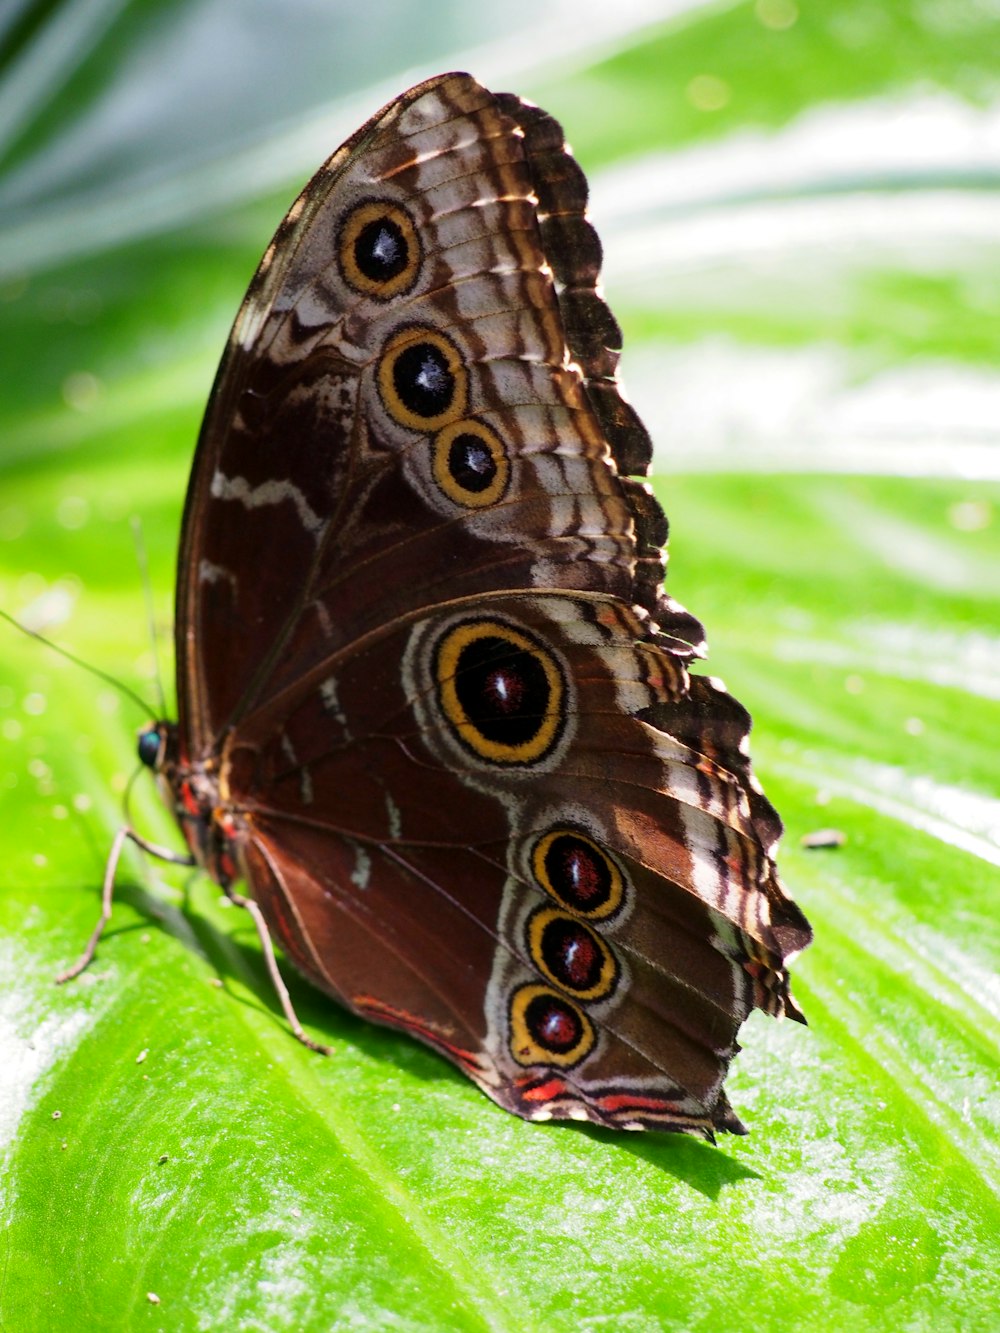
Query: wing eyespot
point(378, 250)
point(422, 380)
point(570, 955)
point(470, 464)
point(548, 1029)
point(501, 691)
point(579, 874)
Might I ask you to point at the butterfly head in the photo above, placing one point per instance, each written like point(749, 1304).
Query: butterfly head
point(156, 744)
point(192, 792)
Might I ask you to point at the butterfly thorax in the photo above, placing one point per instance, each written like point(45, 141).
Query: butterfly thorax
point(191, 791)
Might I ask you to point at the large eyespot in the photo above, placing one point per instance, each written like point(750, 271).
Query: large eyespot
point(579, 874)
point(571, 955)
point(378, 250)
point(502, 691)
point(422, 380)
point(547, 1029)
point(470, 463)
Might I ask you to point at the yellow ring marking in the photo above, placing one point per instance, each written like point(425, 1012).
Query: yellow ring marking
point(394, 405)
point(376, 210)
point(447, 668)
point(616, 888)
point(605, 983)
point(462, 495)
point(526, 1050)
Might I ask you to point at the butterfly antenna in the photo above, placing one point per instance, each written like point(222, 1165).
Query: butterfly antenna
point(147, 592)
point(127, 794)
point(78, 661)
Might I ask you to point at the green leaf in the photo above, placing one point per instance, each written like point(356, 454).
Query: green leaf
point(822, 382)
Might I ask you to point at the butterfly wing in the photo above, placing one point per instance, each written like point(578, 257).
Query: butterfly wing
point(309, 458)
point(421, 634)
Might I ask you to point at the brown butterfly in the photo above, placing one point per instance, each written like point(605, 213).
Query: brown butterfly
point(434, 708)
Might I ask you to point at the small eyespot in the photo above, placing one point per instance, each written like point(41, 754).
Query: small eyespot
point(571, 955)
point(548, 1029)
point(379, 250)
point(580, 875)
point(501, 690)
point(470, 464)
point(422, 381)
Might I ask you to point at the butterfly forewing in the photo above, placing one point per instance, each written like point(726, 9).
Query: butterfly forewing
point(426, 666)
point(304, 455)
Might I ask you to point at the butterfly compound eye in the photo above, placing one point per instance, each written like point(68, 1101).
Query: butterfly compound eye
point(148, 745)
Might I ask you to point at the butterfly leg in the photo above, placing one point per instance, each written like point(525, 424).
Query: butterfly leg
point(108, 890)
point(277, 981)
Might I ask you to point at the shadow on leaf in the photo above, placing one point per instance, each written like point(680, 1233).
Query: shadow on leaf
point(235, 956)
point(704, 1167)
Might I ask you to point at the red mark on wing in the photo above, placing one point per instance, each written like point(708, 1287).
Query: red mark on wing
point(387, 1013)
point(622, 1100)
point(546, 1092)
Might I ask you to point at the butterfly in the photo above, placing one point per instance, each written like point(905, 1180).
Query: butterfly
point(434, 708)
